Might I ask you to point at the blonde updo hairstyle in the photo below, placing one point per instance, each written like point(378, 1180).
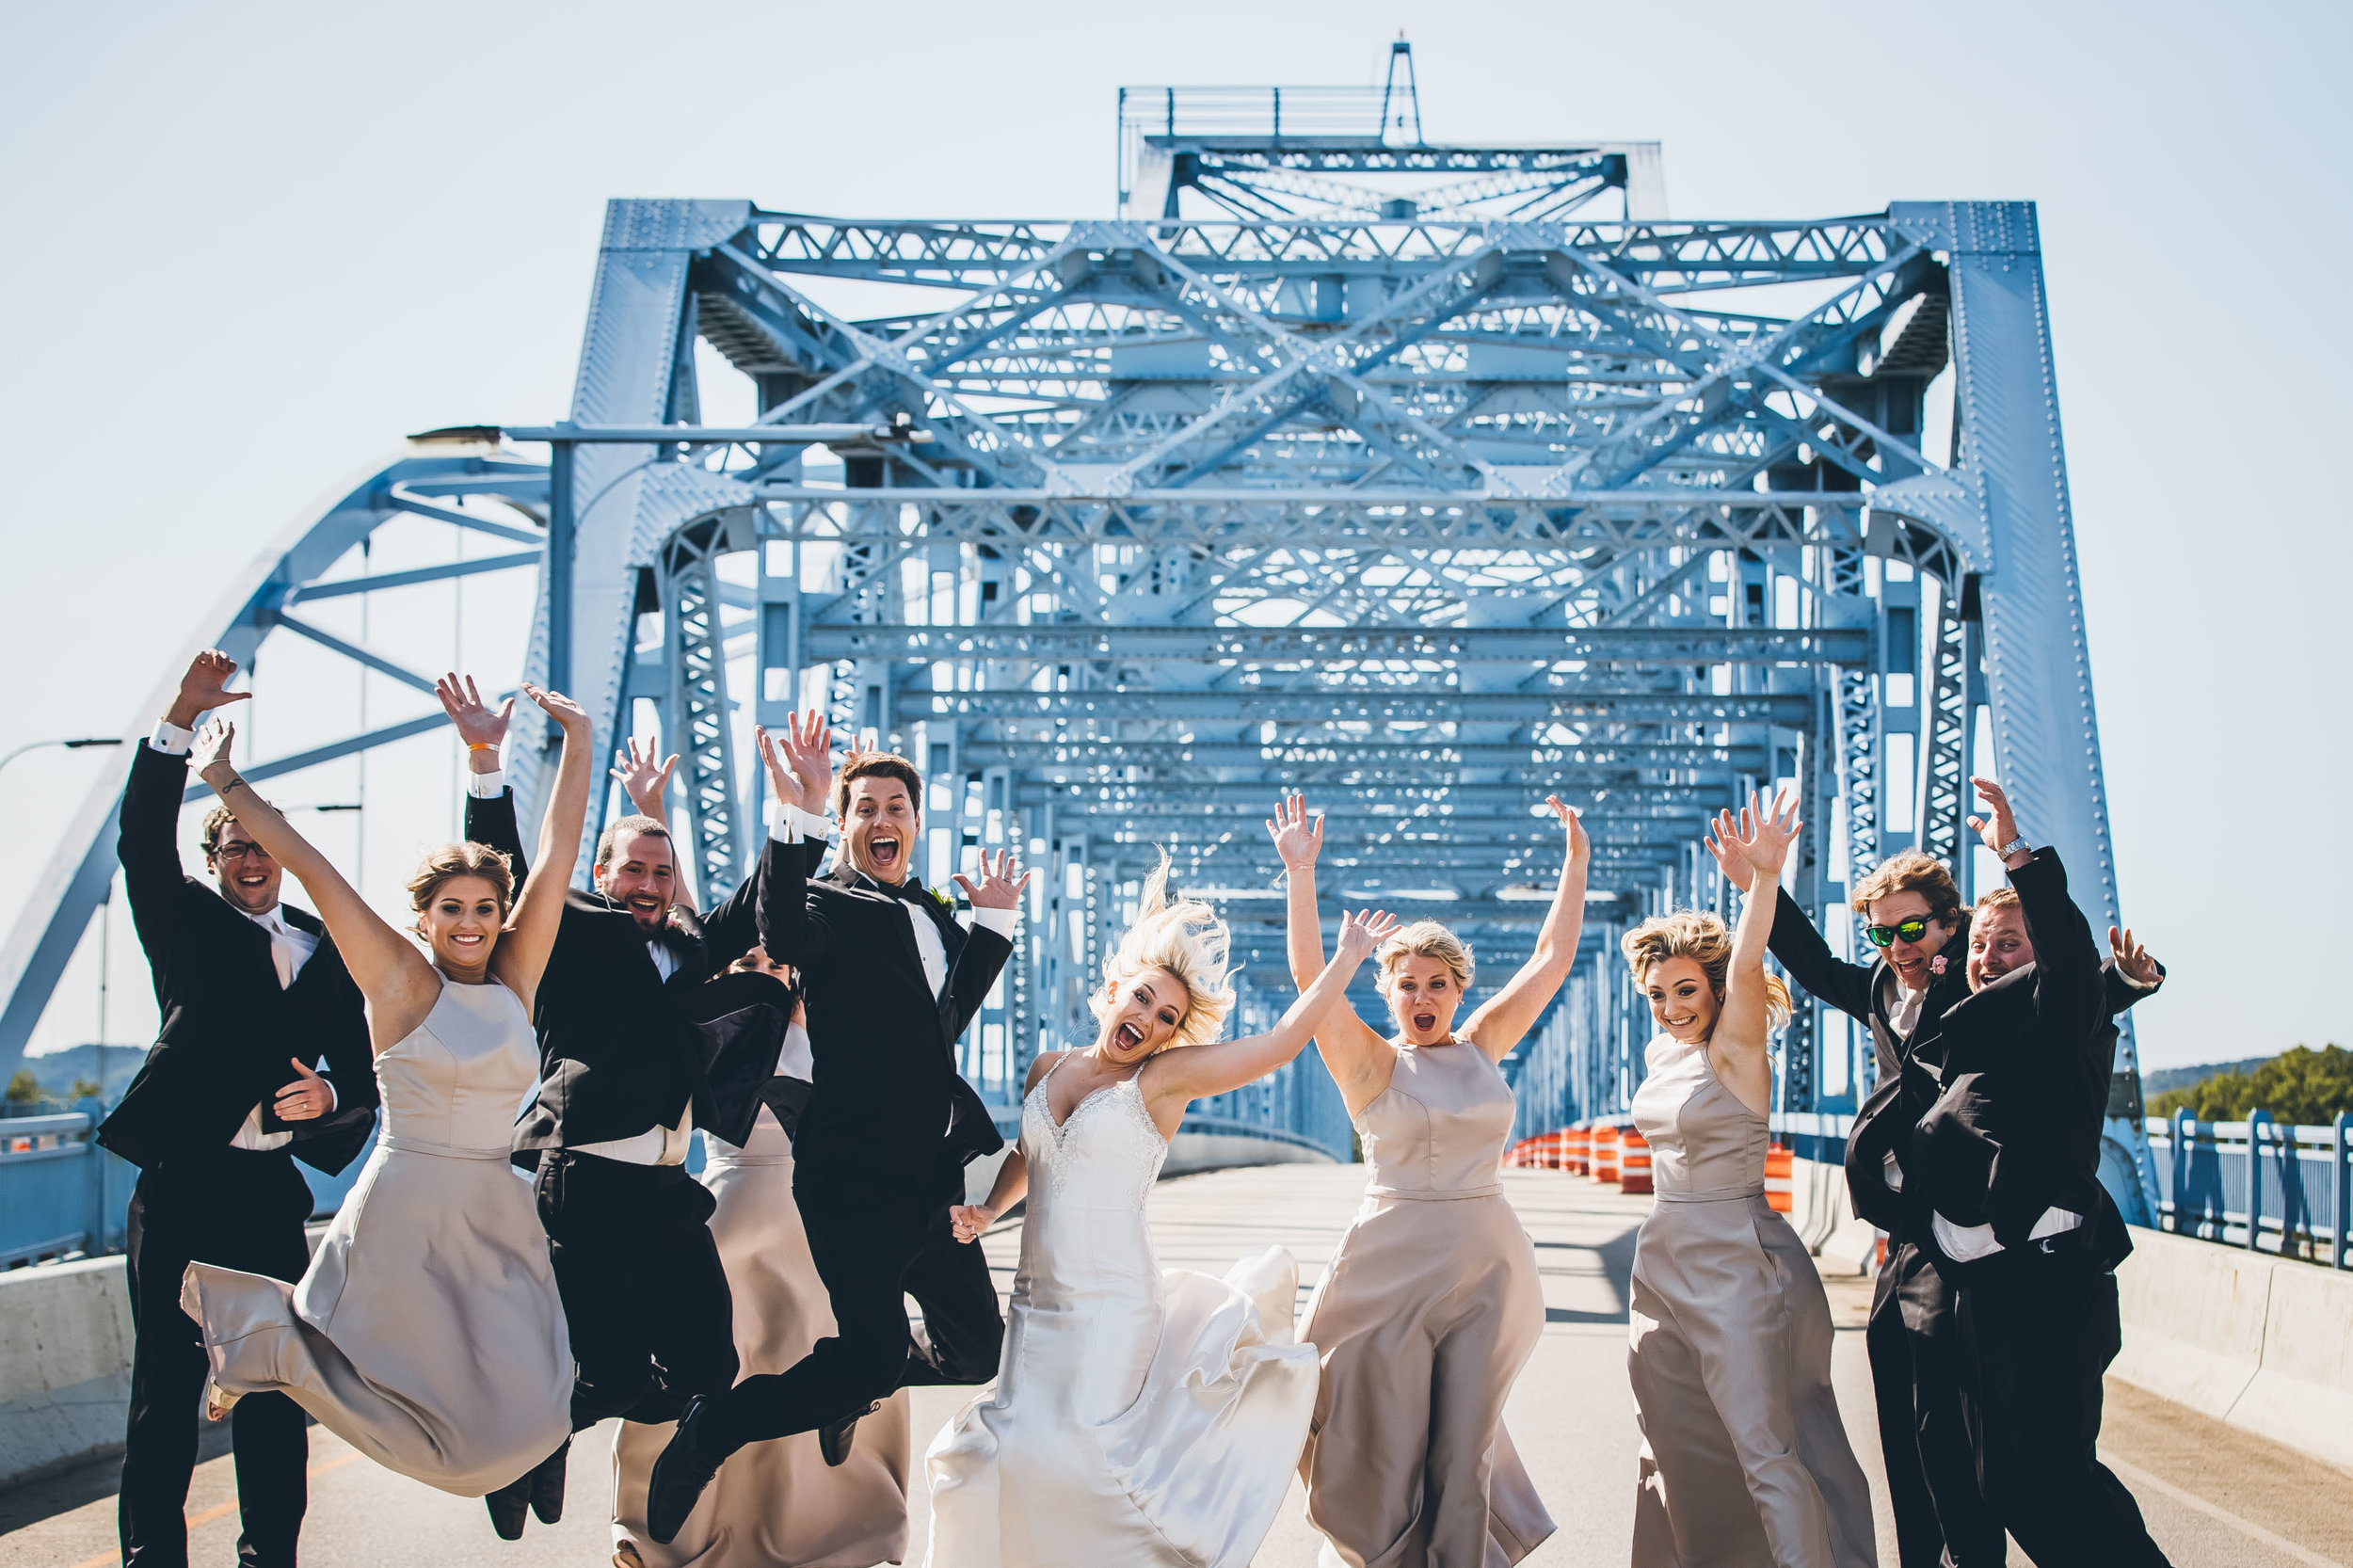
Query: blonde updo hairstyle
point(1707, 941)
point(1188, 940)
point(1425, 940)
point(452, 861)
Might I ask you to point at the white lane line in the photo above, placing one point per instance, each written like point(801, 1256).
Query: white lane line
point(2253, 1531)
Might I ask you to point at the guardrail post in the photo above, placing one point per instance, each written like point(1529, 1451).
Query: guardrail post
point(2183, 1124)
point(2257, 1120)
point(2340, 1162)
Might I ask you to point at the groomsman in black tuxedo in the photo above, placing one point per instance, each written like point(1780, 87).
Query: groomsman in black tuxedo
point(891, 979)
point(1922, 930)
point(631, 1061)
point(251, 989)
point(2003, 1172)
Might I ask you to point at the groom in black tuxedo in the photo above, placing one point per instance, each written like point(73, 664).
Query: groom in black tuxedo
point(249, 988)
point(890, 980)
point(631, 1061)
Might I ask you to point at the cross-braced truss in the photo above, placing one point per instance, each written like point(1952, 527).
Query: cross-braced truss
point(1136, 525)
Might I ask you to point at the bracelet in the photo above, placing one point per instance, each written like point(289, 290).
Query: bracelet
point(482, 745)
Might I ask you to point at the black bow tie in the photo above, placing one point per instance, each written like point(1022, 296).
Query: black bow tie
point(910, 890)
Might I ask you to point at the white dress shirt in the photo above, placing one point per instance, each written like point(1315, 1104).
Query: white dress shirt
point(289, 949)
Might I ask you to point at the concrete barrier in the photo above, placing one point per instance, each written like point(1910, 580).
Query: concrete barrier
point(65, 1364)
point(1825, 1221)
point(2261, 1343)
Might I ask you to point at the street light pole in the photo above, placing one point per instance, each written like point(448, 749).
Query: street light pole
point(76, 744)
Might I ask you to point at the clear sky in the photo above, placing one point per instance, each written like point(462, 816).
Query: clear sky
point(253, 244)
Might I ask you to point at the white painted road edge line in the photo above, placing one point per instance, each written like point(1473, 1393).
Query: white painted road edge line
point(2253, 1531)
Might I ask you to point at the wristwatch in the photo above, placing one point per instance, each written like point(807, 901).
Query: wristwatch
point(2016, 846)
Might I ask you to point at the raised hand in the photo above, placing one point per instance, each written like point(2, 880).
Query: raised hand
point(569, 715)
point(644, 780)
point(1580, 846)
point(997, 888)
point(204, 687)
point(809, 749)
point(2133, 961)
point(1363, 932)
point(1767, 833)
point(2000, 828)
point(1723, 843)
point(307, 1098)
point(967, 1220)
point(212, 745)
point(478, 723)
point(1297, 840)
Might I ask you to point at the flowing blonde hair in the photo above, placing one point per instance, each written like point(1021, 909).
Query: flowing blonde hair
point(1188, 940)
point(1706, 942)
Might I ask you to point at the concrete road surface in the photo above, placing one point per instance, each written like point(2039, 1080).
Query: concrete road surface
point(2212, 1495)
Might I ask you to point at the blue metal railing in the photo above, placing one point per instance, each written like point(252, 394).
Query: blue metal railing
point(61, 1195)
point(2258, 1183)
point(59, 1192)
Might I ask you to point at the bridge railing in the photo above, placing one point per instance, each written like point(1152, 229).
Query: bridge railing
point(2261, 1184)
point(59, 1192)
point(61, 1195)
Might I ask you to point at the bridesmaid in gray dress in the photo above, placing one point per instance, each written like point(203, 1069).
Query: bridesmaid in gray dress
point(1745, 1459)
point(427, 1332)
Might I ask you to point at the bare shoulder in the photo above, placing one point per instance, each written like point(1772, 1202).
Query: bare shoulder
point(1039, 1068)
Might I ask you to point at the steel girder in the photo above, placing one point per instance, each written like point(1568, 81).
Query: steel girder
point(1151, 521)
point(1199, 509)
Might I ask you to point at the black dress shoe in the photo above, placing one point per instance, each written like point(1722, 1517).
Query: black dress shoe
point(547, 1486)
point(683, 1469)
point(510, 1509)
point(834, 1441)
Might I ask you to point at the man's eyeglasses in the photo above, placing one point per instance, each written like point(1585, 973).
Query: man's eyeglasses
point(240, 852)
point(1910, 931)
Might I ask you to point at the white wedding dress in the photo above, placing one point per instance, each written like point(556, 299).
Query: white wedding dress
point(1140, 1417)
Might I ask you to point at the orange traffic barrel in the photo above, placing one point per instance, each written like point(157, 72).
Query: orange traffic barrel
point(1633, 1162)
point(1777, 1189)
point(1605, 1153)
point(1577, 1157)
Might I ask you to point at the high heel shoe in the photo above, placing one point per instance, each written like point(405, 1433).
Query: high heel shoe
point(218, 1401)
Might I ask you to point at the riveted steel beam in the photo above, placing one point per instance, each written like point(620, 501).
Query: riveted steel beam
point(1057, 642)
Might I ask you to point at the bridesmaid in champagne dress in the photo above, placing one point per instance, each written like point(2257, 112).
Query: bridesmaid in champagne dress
point(427, 1332)
point(1432, 1304)
point(1744, 1459)
point(1141, 1418)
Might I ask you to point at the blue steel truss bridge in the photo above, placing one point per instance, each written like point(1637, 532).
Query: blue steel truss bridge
point(1423, 479)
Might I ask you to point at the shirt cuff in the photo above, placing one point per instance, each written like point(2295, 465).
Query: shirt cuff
point(170, 738)
point(486, 786)
point(789, 825)
point(999, 920)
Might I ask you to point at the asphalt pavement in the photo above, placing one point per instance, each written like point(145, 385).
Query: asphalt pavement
point(2213, 1495)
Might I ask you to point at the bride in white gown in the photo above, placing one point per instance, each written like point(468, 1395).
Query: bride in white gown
point(427, 1332)
point(1141, 1417)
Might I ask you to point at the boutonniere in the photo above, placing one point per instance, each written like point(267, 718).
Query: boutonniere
point(1936, 965)
point(941, 899)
